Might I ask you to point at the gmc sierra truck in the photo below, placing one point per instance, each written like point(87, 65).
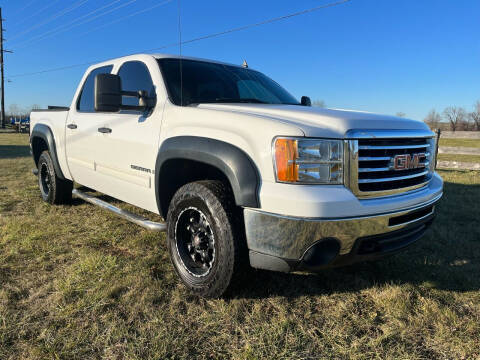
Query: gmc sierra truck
point(241, 171)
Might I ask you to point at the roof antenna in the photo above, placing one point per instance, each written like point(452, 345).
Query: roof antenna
point(245, 65)
point(180, 46)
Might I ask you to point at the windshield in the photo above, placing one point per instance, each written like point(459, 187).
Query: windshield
point(205, 82)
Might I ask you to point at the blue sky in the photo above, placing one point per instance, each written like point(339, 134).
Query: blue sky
point(382, 56)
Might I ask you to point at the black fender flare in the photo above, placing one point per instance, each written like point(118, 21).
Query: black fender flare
point(233, 162)
point(44, 132)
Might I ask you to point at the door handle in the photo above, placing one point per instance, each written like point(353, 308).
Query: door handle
point(72, 126)
point(104, 130)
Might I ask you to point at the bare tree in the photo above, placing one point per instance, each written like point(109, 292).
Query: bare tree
point(468, 123)
point(400, 114)
point(455, 116)
point(319, 103)
point(433, 119)
point(475, 115)
point(29, 109)
point(14, 109)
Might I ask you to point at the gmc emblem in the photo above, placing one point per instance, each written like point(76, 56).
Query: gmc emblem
point(406, 162)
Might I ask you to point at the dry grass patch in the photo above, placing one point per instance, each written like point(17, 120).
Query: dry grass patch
point(474, 143)
point(460, 158)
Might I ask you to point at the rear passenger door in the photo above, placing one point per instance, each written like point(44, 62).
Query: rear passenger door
point(127, 165)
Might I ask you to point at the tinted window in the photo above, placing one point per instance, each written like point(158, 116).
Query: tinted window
point(205, 82)
point(86, 101)
point(135, 76)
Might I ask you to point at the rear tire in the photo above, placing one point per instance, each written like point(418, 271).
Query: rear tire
point(53, 189)
point(204, 238)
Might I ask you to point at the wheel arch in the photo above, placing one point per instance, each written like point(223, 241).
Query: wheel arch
point(184, 159)
point(42, 139)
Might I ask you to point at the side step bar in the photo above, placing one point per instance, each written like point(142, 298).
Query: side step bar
point(137, 219)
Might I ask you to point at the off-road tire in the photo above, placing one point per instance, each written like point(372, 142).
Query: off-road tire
point(215, 201)
point(53, 189)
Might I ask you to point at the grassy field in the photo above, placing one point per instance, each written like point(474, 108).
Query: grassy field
point(78, 283)
point(474, 143)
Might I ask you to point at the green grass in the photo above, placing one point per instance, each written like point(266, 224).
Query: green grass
point(76, 282)
point(475, 143)
point(459, 158)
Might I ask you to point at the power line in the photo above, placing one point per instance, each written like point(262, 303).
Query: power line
point(37, 12)
point(204, 37)
point(24, 7)
point(56, 69)
point(249, 26)
point(76, 22)
point(126, 17)
point(269, 21)
point(53, 17)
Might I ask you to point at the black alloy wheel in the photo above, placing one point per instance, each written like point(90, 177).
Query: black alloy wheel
point(44, 180)
point(53, 189)
point(205, 237)
point(195, 242)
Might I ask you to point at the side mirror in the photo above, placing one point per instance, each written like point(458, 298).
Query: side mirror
point(108, 93)
point(305, 101)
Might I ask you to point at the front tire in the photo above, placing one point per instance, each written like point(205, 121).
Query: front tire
point(53, 189)
point(204, 238)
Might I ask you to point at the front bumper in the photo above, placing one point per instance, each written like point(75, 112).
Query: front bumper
point(284, 243)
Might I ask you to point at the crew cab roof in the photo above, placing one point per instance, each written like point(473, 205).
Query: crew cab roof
point(141, 56)
point(169, 56)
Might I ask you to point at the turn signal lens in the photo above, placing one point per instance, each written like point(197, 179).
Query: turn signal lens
point(309, 161)
point(286, 153)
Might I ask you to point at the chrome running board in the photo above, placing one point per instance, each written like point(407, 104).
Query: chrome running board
point(137, 219)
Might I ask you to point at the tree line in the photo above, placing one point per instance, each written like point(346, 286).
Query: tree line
point(455, 118)
point(16, 111)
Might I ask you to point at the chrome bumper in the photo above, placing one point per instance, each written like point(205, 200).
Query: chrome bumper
point(271, 236)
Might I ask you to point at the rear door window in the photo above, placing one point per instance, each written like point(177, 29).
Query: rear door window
point(86, 102)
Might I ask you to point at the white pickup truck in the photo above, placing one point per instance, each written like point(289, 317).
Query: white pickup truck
point(238, 168)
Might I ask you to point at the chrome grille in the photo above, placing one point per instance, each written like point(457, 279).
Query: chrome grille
point(384, 166)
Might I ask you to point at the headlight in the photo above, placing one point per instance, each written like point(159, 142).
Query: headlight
point(308, 161)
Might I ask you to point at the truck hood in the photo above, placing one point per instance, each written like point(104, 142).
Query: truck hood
point(319, 122)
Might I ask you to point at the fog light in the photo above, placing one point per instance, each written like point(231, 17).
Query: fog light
point(321, 253)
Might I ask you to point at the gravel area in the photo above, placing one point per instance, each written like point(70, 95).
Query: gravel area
point(460, 134)
point(442, 164)
point(458, 150)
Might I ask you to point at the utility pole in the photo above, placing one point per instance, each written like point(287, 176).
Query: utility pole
point(1, 62)
point(1, 66)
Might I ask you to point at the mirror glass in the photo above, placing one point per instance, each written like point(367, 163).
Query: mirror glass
point(108, 95)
